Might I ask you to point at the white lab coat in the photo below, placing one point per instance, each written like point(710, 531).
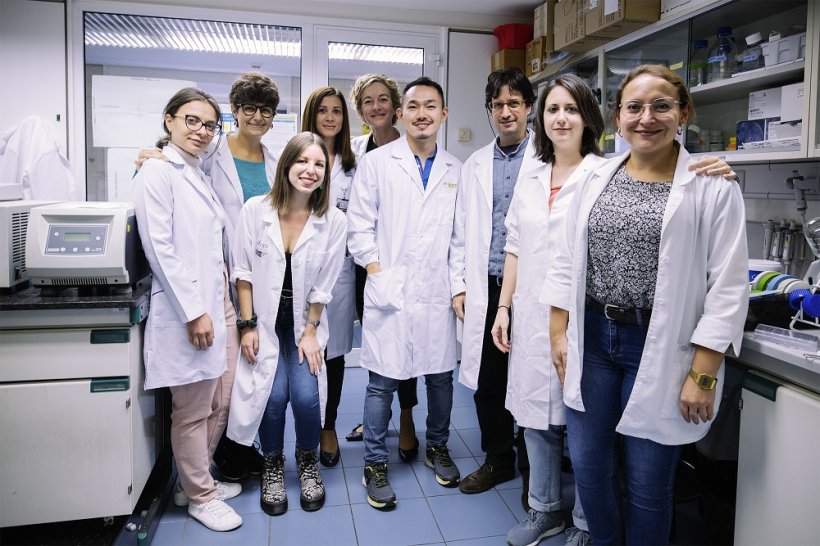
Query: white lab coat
point(30, 158)
point(534, 394)
point(219, 164)
point(259, 258)
point(359, 145)
point(701, 295)
point(181, 224)
point(341, 311)
point(409, 325)
point(474, 225)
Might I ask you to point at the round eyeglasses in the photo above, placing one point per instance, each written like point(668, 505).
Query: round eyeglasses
point(250, 110)
point(193, 123)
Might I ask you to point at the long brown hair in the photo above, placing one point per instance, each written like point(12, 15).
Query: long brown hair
point(587, 107)
point(281, 192)
point(341, 142)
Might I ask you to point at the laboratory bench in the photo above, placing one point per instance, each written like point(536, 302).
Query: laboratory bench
point(778, 477)
point(80, 434)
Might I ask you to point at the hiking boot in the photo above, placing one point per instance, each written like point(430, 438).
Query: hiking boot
point(486, 477)
point(273, 497)
point(438, 458)
point(215, 515)
point(224, 491)
point(537, 526)
point(312, 496)
point(578, 537)
point(379, 493)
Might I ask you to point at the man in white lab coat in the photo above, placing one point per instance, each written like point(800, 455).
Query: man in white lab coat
point(488, 179)
point(400, 225)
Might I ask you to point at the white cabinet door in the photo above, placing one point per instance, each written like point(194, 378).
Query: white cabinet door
point(33, 64)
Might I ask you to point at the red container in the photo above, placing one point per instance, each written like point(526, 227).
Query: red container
point(513, 35)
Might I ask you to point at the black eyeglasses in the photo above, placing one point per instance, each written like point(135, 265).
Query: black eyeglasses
point(250, 110)
point(193, 123)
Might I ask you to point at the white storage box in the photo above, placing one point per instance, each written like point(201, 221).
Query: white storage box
point(785, 49)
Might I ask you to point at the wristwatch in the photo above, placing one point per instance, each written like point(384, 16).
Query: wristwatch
point(315, 323)
point(702, 380)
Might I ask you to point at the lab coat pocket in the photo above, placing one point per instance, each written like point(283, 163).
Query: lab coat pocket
point(681, 359)
point(385, 290)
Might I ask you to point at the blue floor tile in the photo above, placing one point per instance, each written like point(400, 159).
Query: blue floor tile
point(402, 478)
point(169, 533)
point(488, 515)
point(330, 525)
point(410, 523)
point(427, 480)
point(254, 530)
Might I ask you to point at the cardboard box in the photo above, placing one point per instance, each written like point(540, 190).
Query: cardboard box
point(764, 104)
point(784, 129)
point(536, 53)
point(792, 98)
point(753, 130)
point(544, 23)
point(613, 18)
point(508, 58)
point(570, 28)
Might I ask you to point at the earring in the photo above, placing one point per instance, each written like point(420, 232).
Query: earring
point(619, 132)
point(680, 129)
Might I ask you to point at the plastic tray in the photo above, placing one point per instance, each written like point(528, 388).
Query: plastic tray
point(786, 338)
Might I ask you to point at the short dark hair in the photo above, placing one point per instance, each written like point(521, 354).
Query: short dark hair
point(512, 78)
point(424, 80)
point(590, 114)
point(180, 99)
point(254, 88)
point(342, 141)
point(280, 192)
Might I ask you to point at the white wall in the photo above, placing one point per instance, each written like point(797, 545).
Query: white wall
point(32, 64)
point(469, 66)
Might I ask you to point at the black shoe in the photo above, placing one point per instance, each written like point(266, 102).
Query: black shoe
point(409, 455)
point(356, 435)
point(329, 458)
point(254, 461)
point(231, 461)
point(486, 477)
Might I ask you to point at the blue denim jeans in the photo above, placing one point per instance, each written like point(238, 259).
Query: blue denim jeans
point(379, 397)
point(612, 355)
point(292, 383)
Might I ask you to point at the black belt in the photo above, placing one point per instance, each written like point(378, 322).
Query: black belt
point(624, 315)
point(492, 279)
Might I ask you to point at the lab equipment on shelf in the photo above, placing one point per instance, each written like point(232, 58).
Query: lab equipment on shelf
point(723, 56)
point(786, 338)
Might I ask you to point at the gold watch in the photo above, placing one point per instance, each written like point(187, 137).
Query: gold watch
point(702, 380)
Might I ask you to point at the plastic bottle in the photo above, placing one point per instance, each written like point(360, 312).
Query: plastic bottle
point(699, 65)
point(722, 56)
point(753, 54)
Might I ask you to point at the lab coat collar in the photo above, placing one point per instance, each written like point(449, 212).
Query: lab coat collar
point(531, 166)
point(407, 159)
point(271, 217)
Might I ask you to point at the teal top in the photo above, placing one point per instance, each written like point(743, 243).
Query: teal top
point(252, 177)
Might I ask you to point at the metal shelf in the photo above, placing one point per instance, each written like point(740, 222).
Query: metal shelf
point(739, 86)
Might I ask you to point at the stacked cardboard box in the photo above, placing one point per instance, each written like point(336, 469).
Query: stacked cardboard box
point(614, 18)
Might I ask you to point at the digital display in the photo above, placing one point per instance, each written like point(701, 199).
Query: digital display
point(75, 236)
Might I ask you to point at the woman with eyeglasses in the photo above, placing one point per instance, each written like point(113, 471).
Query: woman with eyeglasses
point(191, 340)
point(326, 116)
point(648, 292)
point(289, 249)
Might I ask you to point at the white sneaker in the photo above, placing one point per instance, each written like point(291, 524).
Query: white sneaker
point(215, 515)
point(224, 491)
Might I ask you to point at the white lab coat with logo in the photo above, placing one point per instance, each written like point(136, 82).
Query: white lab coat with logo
point(409, 325)
point(221, 168)
point(259, 258)
point(701, 295)
point(359, 145)
point(534, 394)
point(341, 311)
point(474, 226)
point(180, 222)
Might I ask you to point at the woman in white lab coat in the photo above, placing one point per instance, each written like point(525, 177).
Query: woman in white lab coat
point(289, 249)
point(326, 115)
point(648, 291)
point(376, 98)
point(190, 337)
point(239, 167)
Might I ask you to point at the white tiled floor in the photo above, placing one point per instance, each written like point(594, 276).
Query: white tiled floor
point(426, 513)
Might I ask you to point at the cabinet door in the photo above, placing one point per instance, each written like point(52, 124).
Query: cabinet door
point(65, 452)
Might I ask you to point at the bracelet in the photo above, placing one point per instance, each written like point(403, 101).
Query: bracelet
point(507, 307)
point(245, 324)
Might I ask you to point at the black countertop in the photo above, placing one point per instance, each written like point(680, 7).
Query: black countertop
point(73, 298)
